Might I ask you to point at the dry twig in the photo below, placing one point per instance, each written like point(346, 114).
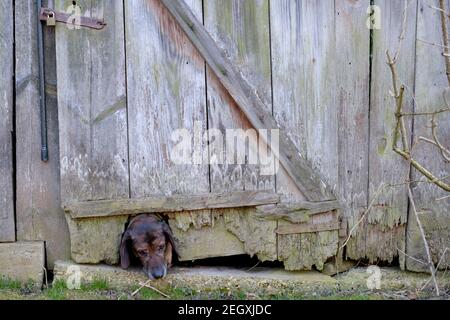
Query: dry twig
point(424, 239)
point(400, 130)
point(146, 285)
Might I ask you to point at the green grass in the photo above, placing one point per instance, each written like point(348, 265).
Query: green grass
point(96, 285)
point(7, 284)
point(92, 290)
point(57, 291)
point(100, 289)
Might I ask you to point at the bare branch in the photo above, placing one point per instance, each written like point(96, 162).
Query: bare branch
point(443, 198)
point(400, 131)
point(433, 44)
point(445, 39)
point(424, 239)
point(375, 198)
point(403, 32)
point(411, 257)
point(437, 268)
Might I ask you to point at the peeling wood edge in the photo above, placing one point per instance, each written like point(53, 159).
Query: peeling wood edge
point(164, 204)
point(306, 179)
point(299, 207)
point(296, 212)
point(307, 228)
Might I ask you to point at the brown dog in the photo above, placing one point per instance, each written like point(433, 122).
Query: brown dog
point(150, 240)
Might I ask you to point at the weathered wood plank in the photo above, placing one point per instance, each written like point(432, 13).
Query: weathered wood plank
point(303, 54)
point(175, 203)
point(241, 28)
point(205, 240)
point(7, 225)
point(296, 212)
point(92, 105)
point(386, 221)
point(430, 85)
point(251, 105)
point(303, 252)
point(306, 228)
point(38, 184)
point(352, 66)
point(93, 124)
point(96, 240)
point(166, 92)
point(303, 40)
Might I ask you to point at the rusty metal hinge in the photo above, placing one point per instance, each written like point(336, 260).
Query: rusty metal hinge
point(51, 16)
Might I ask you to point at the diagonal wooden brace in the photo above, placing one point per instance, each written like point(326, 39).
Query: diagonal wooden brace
point(306, 179)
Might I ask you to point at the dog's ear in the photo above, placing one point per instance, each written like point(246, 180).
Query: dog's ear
point(169, 237)
point(124, 253)
point(168, 254)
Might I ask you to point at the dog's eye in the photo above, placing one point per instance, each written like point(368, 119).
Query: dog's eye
point(161, 247)
point(142, 253)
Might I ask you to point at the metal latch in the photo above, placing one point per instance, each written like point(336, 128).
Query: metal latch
point(51, 16)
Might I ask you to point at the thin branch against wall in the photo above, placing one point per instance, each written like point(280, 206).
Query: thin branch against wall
point(424, 239)
point(400, 131)
point(439, 9)
point(403, 32)
point(434, 44)
point(445, 38)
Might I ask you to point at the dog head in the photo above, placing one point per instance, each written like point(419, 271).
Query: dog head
point(150, 240)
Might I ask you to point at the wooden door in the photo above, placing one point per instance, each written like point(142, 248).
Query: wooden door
point(7, 225)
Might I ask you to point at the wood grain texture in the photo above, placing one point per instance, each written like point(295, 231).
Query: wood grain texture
point(304, 102)
point(295, 212)
point(249, 102)
point(175, 203)
point(38, 205)
point(431, 83)
point(303, 41)
point(7, 225)
point(166, 92)
point(352, 68)
point(205, 239)
point(386, 222)
point(92, 105)
point(241, 29)
point(300, 228)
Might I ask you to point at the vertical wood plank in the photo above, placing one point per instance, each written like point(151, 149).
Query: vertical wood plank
point(92, 104)
point(431, 84)
point(352, 69)
point(304, 88)
point(387, 219)
point(7, 225)
point(38, 206)
point(241, 28)
point(166, 92)
point(303, 41)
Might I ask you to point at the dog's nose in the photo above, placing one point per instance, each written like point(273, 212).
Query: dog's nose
point(158, 273)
